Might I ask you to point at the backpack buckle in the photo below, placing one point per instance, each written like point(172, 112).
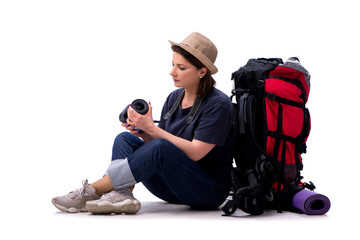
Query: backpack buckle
point(260, 84)
point(309, 186)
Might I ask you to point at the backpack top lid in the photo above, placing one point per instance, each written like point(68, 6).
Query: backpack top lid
point(255, 68)
point(294, 62)
point(292, 69)
point(262, 68)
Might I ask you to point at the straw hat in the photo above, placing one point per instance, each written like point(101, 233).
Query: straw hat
point(200, 47)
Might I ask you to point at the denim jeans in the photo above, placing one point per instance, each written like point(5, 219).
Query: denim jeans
point(165, 171)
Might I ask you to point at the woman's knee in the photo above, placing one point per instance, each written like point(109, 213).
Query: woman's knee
point(127, 138)
point(122, 136)
point(125, 144)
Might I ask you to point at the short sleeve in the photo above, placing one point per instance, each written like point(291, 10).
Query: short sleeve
point(215, 123)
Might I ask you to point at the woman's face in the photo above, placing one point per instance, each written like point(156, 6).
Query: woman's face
point(184, 73)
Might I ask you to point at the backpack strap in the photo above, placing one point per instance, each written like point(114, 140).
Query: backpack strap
point(273, 97)
point(249, 199)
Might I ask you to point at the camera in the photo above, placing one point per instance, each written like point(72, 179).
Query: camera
point(139, 105)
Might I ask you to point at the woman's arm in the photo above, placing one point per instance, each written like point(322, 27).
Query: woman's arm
point(194, 149)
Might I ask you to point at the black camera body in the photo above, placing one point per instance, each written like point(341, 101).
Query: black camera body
point(139, 105)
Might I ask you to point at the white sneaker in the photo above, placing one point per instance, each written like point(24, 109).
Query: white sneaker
point(116, 201)
point(74, 202)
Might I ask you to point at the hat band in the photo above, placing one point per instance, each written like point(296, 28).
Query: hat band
point(187, 45)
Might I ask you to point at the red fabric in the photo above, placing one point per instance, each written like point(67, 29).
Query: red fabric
point(292, 116)
point(293, 74)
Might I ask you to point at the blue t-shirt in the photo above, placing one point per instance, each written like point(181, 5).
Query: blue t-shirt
point(213, 123)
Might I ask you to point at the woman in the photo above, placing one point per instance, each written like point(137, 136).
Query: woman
point(185, 160)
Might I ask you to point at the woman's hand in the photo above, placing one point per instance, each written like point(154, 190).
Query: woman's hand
point(140, 121)
point(136, 121)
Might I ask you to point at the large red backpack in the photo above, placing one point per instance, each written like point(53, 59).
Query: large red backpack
point(272, 125)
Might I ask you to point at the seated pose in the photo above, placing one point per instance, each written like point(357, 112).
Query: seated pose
point(185, 159)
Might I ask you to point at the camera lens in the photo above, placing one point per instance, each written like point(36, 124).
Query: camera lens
point(140, 106)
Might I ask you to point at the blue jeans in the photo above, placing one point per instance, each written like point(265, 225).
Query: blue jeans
point(165, 171)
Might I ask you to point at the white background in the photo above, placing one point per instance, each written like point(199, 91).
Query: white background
point(67, 69)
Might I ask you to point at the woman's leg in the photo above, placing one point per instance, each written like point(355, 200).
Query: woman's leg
point(158, 186)
point(124, 145)
point(103, 185)
point(118, 182)
point(119, 172)
point(169, 174)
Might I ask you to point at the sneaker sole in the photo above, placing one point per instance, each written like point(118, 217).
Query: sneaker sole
point(68, 210)
point(104, 207)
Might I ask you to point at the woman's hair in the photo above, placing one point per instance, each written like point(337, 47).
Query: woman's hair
point(207, 82)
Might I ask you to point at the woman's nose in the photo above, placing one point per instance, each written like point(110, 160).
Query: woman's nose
point(172, 72)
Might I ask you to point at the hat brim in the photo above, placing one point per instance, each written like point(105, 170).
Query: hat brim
point(201, 57)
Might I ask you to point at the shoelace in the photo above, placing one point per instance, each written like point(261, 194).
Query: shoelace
point(80, 193)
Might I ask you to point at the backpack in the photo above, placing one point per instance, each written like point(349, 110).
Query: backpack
point(272, 125)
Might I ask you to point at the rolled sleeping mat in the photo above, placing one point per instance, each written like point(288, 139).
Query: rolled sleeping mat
point(311, 203)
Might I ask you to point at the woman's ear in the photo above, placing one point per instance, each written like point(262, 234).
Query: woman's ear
point(203, 71)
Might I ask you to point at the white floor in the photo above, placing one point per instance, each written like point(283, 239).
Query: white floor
point(160, 220)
